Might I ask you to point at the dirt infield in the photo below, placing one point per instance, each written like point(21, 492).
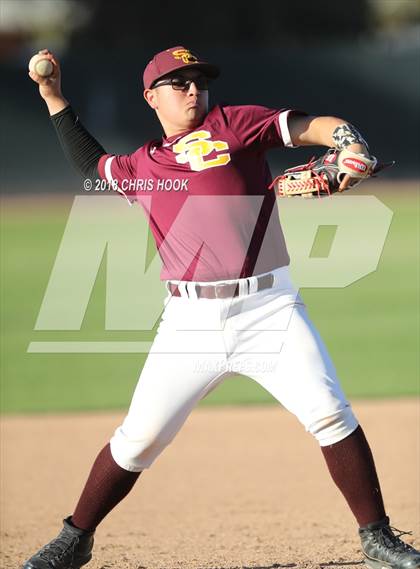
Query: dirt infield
point(239, 488)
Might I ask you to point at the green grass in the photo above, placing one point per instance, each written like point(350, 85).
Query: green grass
point(371, 328)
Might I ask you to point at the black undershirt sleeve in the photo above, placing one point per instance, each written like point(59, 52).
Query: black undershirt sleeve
point(80, 147)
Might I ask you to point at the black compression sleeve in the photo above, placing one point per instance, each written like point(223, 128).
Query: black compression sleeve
point(80, 147)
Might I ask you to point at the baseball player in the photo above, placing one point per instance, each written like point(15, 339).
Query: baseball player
point(204, 187)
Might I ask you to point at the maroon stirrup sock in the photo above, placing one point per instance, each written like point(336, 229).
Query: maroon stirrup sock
point(352, 468)
point(106, 486)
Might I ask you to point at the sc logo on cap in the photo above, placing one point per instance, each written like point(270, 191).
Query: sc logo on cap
point(185, 55)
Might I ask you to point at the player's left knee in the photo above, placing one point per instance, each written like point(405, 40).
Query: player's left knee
point(335, 427)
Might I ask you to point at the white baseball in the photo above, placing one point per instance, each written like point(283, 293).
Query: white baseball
point(41, 65)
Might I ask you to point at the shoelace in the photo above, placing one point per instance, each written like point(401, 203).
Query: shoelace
point(390, 539)
point(58, 548)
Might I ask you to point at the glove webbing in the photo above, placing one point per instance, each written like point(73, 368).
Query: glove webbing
point(313, 183)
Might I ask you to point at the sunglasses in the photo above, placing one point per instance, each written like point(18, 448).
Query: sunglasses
point(183, 84)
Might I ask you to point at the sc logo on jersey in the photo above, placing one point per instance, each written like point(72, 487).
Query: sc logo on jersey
point(195, 146)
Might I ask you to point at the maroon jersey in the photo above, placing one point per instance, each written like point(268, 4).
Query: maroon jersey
point(205, 192)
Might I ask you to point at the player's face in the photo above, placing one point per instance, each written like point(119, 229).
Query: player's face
point(180, 100)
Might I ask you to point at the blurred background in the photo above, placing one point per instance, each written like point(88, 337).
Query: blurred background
point(358, 60)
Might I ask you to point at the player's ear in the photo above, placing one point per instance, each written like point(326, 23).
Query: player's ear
point(150, 96)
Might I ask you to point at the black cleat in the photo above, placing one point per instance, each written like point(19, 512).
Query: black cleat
point(383, 549)
point(71, 549)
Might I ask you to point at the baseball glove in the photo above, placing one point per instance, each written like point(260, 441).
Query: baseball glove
point(322, 176)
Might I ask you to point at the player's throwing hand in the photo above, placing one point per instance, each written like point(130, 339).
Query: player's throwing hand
point(50, 86)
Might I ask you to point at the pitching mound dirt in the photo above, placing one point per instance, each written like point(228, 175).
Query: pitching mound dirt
point(239, 488)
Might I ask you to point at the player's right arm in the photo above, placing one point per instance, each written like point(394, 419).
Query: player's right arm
point(80, 147)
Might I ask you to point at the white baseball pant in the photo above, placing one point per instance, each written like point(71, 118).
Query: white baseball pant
point(265, 335)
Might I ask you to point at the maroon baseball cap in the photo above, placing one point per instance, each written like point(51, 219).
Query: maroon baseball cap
point(172, 59)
